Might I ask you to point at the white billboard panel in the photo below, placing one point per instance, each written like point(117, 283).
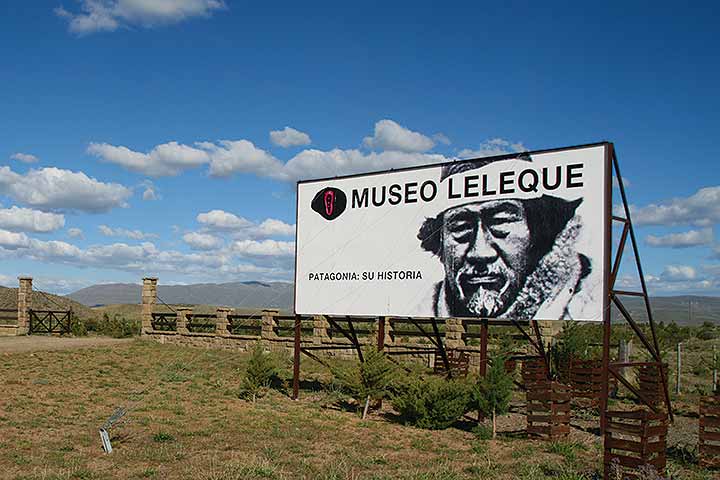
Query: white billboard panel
point(519, 236)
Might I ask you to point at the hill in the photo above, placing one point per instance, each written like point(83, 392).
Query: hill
point(684, 309)
point(235, 294)
point(254, 295)
point(45, 301)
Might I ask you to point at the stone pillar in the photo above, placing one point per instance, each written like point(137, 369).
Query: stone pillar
point(222, 323)
point(388, 330)
point(454, 330)
point(549, 329)
point(182, 319)
point(320, 329)
point(269, 322)
point(149, 298)
point(24, 302)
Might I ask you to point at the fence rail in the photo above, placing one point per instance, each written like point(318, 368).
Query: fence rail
point(201, 322)
point(164, 322)
point(250, 325)
point(286, 326)
point(366, 325)
point(418, 327)
point(8, 315)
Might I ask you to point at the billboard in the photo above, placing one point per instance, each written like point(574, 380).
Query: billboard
point(521, 236)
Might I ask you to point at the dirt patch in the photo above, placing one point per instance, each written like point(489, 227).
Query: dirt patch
point(37, 343)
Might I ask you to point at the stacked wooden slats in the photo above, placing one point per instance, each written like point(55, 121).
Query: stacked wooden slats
point(709, 446)
point(586, 378)
point(650, 382)
point(459, 363)
point(534, 370)
point(635, 442)
point(548, 402)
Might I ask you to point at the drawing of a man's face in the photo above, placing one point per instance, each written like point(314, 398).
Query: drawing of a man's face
point(486, 253)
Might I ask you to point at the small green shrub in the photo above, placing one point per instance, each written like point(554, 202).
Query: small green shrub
point(433, 403)
point(163, 437)
point(372, 379)
point(116, 326)
point(78, 328)
point(483, 432)
point(491, 394)
point(262, 369)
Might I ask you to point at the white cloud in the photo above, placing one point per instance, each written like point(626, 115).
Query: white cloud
point(390, 135)
point(273, 228)
point(701, 209)
point(676, 273)
point(222, 220)
point(61, 286)
point(289, 137)
point(75, 233)
point(27, 220)
point(228, 157)
point(318, 163)
point(150, 192)
point(261, 259)
point(123, 232)
point(13, 241)
point(57, 189)
point(691, 238)
point(616, 184)
point(242, 156)
point(441, 138)
point(168, 159)
point(24, 157)
point(202, 241)
point(109, 15)
point(272, 248)
point(492, 147)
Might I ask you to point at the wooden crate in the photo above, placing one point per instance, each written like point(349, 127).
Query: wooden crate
point(459, 363)
point(548, 409)
point(586, 378)
point(534, 370)
point(650, 382)
point(635, 442)
point(709, 445)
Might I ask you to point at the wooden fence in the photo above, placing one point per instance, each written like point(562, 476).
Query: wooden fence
point(709, 445)
point(635, 442)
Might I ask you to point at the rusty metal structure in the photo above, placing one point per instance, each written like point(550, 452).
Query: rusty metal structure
point(610, 371)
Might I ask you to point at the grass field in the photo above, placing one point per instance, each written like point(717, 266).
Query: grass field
point(186, 421)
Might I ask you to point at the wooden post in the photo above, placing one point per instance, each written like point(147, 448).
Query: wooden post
point(715, 373)
point(381, 334)
point(679, 369)
point(483, 347)
point(296, 359)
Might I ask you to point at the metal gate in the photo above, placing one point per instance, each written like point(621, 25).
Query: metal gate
point(51, 321)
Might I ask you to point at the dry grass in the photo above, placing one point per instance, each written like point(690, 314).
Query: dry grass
point(188, 422)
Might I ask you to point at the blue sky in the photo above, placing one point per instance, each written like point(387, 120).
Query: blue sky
point(135, 135)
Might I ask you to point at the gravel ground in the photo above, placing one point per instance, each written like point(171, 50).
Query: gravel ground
point(38, 343)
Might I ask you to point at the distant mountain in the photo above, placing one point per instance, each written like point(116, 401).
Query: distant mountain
point(684, 310)
point(237, 294)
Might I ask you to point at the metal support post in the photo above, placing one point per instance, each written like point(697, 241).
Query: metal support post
point(296, 359)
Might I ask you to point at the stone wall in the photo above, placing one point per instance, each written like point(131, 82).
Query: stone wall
point(24, 304)
point(271, 322)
